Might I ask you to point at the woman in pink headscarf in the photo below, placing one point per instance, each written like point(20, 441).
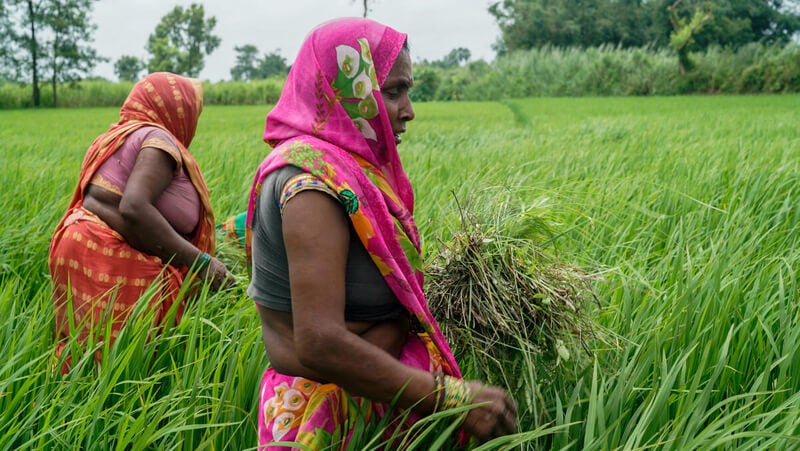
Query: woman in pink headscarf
point(335, 252)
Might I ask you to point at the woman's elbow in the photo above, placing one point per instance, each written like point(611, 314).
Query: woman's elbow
point(316, 349)
point(131, 210)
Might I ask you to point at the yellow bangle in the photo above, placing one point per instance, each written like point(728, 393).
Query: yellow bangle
point(438, 381)
point(456, 392)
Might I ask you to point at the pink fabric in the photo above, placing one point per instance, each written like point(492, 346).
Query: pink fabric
point(179, 203)
point(301, 111)
point(331, 122)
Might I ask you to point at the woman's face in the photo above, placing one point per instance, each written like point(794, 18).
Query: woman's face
point(395, 94)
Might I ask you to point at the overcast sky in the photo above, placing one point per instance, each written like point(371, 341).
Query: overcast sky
point(434, 27)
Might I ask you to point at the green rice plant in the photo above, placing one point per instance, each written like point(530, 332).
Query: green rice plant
point(685, 208)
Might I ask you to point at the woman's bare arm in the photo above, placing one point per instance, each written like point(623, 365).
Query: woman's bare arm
point(141, 224)
point(316, 236)
point(278, 336)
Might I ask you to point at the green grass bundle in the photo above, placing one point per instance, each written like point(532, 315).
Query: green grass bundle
point(501, 298)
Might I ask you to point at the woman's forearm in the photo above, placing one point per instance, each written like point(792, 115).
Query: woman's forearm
point(363, 369)
point(390, 336)
point(146, 229)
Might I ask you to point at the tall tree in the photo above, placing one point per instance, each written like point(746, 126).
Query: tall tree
point(683, 33)
point(456, 57)
point(734, 23)
point(7, 50)
point(365, 4)
point(182, 40)
point(52, 34)
point(246, 65)
point(70, 29)
point(272, 64)
point(525, 24)
point(250, 67)
point(129, 67)
point(30, 43)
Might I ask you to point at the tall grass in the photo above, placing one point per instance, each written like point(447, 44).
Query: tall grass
point(93, 93)
point(686, 207)
point(611, 71)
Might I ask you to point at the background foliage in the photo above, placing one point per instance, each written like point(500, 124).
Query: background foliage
point(527, 24)
point(546, 48)
point(603, 71)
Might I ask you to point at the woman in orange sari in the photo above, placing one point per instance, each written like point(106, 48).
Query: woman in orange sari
point(140, 215)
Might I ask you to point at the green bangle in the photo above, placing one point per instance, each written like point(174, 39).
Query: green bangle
point(202, 261)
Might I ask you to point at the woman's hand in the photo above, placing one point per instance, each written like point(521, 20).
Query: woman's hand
point(217, 275)
point(494, 414)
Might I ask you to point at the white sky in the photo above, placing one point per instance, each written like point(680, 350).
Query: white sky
point(434, 27)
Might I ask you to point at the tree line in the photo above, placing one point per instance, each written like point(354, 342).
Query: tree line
point(50, 40)
point(526, 24)
point(684, 26)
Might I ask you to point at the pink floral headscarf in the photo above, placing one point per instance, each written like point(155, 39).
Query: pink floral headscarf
point(331, 122)
point(346, 99)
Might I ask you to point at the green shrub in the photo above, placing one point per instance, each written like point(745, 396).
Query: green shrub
point(612, 71)
point(254, 92)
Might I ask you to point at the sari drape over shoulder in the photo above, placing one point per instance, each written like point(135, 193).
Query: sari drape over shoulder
point(96, 275)
point(331, 122)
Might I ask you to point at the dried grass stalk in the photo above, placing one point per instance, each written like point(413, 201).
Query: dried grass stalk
point(494, 288)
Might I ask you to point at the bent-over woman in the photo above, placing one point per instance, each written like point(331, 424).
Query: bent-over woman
point(335, 253)
point(140, 214)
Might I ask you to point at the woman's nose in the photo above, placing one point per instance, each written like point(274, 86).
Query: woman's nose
point(407, 110)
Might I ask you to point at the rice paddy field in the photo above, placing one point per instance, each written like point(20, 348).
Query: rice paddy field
point(685, 209)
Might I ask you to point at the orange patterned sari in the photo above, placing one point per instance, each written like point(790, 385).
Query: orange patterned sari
point(97, 276)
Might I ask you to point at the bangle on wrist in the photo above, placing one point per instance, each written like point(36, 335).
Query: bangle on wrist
point(456, 393)
point(438, 382)
point(202, 262)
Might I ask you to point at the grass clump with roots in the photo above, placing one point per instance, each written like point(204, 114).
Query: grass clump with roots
point(502, 296)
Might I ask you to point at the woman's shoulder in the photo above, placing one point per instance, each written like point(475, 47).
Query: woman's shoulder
point(150, 133)
point(158, 138)
point(281, 175)
point(274, 181)
point(282, 184)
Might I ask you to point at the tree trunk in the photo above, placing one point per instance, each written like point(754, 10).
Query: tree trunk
point(34, 50)
point(55, 59)
point(55, 72)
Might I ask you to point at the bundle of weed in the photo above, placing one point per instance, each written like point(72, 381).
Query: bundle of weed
point(504, 300)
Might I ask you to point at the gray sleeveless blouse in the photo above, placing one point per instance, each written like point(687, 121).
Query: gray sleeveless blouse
point(367, 297)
